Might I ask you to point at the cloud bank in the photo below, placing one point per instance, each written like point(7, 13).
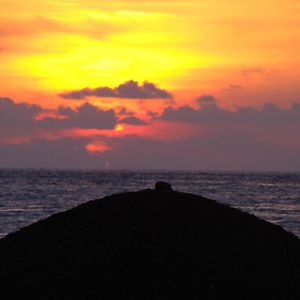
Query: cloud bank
point(20, 121)
point(210, 113)
point(218, 151)
point(247, 138)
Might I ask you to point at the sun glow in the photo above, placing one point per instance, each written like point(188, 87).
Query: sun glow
point(188, 48)
point(119, 128)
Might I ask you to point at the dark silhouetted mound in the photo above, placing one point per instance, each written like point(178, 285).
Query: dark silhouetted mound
point(162, 186)
point(150, 245)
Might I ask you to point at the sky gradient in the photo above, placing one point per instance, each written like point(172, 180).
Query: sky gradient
point(150, 84)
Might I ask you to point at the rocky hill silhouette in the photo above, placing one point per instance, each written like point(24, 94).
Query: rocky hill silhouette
point(151, 244)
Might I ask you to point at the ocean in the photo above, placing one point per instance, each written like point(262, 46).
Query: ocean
point(30, 195)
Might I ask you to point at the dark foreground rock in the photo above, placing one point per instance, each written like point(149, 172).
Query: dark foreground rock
point(150, 245)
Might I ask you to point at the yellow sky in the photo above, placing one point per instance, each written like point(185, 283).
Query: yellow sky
point(191, 47)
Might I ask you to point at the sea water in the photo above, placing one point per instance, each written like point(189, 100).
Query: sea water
point(30, 195)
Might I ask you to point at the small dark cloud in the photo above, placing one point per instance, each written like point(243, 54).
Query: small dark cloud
point(133, 121)
point(86, 116)
point(206, 100)
point(65, 111)
point(235, 87)
point(130, 90)
point(252, 71)
point(152, 114)
point(125, 112)
point(170, 101)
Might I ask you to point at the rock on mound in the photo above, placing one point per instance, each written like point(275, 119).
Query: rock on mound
point(150, 245)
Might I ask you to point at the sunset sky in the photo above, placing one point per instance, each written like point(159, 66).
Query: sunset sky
point(202, 85)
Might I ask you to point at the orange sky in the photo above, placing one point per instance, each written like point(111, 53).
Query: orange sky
point(242, 52)
point(197, 46)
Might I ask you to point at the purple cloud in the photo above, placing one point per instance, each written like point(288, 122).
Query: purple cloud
point(211, 113)
point(133, 121)
point(235, 87)
point(252, 71)
point(17, 114)
point(17, 119)
point(207, 100)
point(86, 116)
point(130, 90)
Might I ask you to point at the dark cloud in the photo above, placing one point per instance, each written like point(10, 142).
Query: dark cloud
point(125, 112)
point(17, 114)
point(187, 114)
point(19, 121)
point(86, 116)
point(152, 114)
point(235, 87)
point(65, 111)
point(206, 100)
point(130, 90)
point(252, 71)
point(211, 113)
point(133, 121)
